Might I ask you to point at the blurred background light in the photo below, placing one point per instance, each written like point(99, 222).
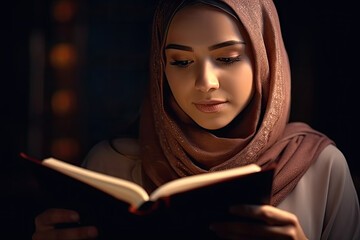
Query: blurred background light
point(64, 11)
point(64, 148)
point(63, 56)
point(63, 102)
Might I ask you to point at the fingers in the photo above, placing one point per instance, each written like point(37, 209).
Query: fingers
point(49, 218)
point(235, 230)
point(46, 221)
point(271, 215)
point(67, 234)
point(272, 223)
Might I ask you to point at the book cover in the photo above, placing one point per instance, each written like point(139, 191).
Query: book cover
point(186, 213)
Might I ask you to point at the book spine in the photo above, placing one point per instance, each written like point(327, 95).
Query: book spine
point(37, 161)
point(150, 206)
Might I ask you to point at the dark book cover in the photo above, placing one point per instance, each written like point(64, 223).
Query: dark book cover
point(182, 215)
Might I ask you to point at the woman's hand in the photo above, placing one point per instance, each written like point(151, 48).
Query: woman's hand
point(46, 221)
point(274, 224)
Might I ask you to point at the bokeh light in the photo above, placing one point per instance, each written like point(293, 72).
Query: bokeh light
point(64, 11)
point(63, 102)
point(65, 148)
point(63, 56)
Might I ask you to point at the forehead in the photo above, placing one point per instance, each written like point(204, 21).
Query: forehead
point(200, 24)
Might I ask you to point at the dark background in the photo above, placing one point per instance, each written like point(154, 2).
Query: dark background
point(111, 41)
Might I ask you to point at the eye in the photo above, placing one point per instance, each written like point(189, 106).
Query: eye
point(229, 60)
point(181, 63)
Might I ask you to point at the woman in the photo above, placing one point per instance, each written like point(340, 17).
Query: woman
point(219, 97)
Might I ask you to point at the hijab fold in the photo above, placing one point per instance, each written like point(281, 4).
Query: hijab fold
point(173, 146)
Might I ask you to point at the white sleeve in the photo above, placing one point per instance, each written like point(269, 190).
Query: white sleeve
point(342, 218)
point(106, 158)
point(325, 200)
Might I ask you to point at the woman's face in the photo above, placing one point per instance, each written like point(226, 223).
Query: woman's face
point(208, 65)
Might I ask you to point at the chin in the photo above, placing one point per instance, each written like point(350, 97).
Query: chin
point(212, 125)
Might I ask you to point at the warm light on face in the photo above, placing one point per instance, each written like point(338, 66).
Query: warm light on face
point(208, 66)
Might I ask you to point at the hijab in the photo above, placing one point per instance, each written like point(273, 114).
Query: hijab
point(173, 146)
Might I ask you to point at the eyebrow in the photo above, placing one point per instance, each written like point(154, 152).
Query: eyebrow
point(211, 48)
point(225, 44)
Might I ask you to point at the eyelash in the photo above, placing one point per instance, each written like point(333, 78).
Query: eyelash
point(229, 60)
point(182, 63)
point(226, 61)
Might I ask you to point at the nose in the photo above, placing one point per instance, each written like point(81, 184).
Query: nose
point(207, 79)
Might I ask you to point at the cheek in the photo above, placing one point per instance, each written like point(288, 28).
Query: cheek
point(241, 84)
point(179, 84)
point(173, 81)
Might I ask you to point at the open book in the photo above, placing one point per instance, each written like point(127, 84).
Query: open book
point(214, 191)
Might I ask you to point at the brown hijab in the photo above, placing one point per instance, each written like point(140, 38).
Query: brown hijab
point(173, 146)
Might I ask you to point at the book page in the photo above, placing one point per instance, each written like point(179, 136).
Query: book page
point(121, 189)
point(196, 181)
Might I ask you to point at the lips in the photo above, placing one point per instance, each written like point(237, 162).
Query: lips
point(210, 106)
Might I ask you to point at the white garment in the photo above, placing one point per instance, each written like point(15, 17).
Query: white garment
point(324, 200)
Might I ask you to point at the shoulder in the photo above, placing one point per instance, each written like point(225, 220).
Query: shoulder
point(325, 198)
point(118, 157)
point(331, 158)
point(329, 169)
point(333, 164)
point(342, 204)
point(332, 172)
point(123, 146)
